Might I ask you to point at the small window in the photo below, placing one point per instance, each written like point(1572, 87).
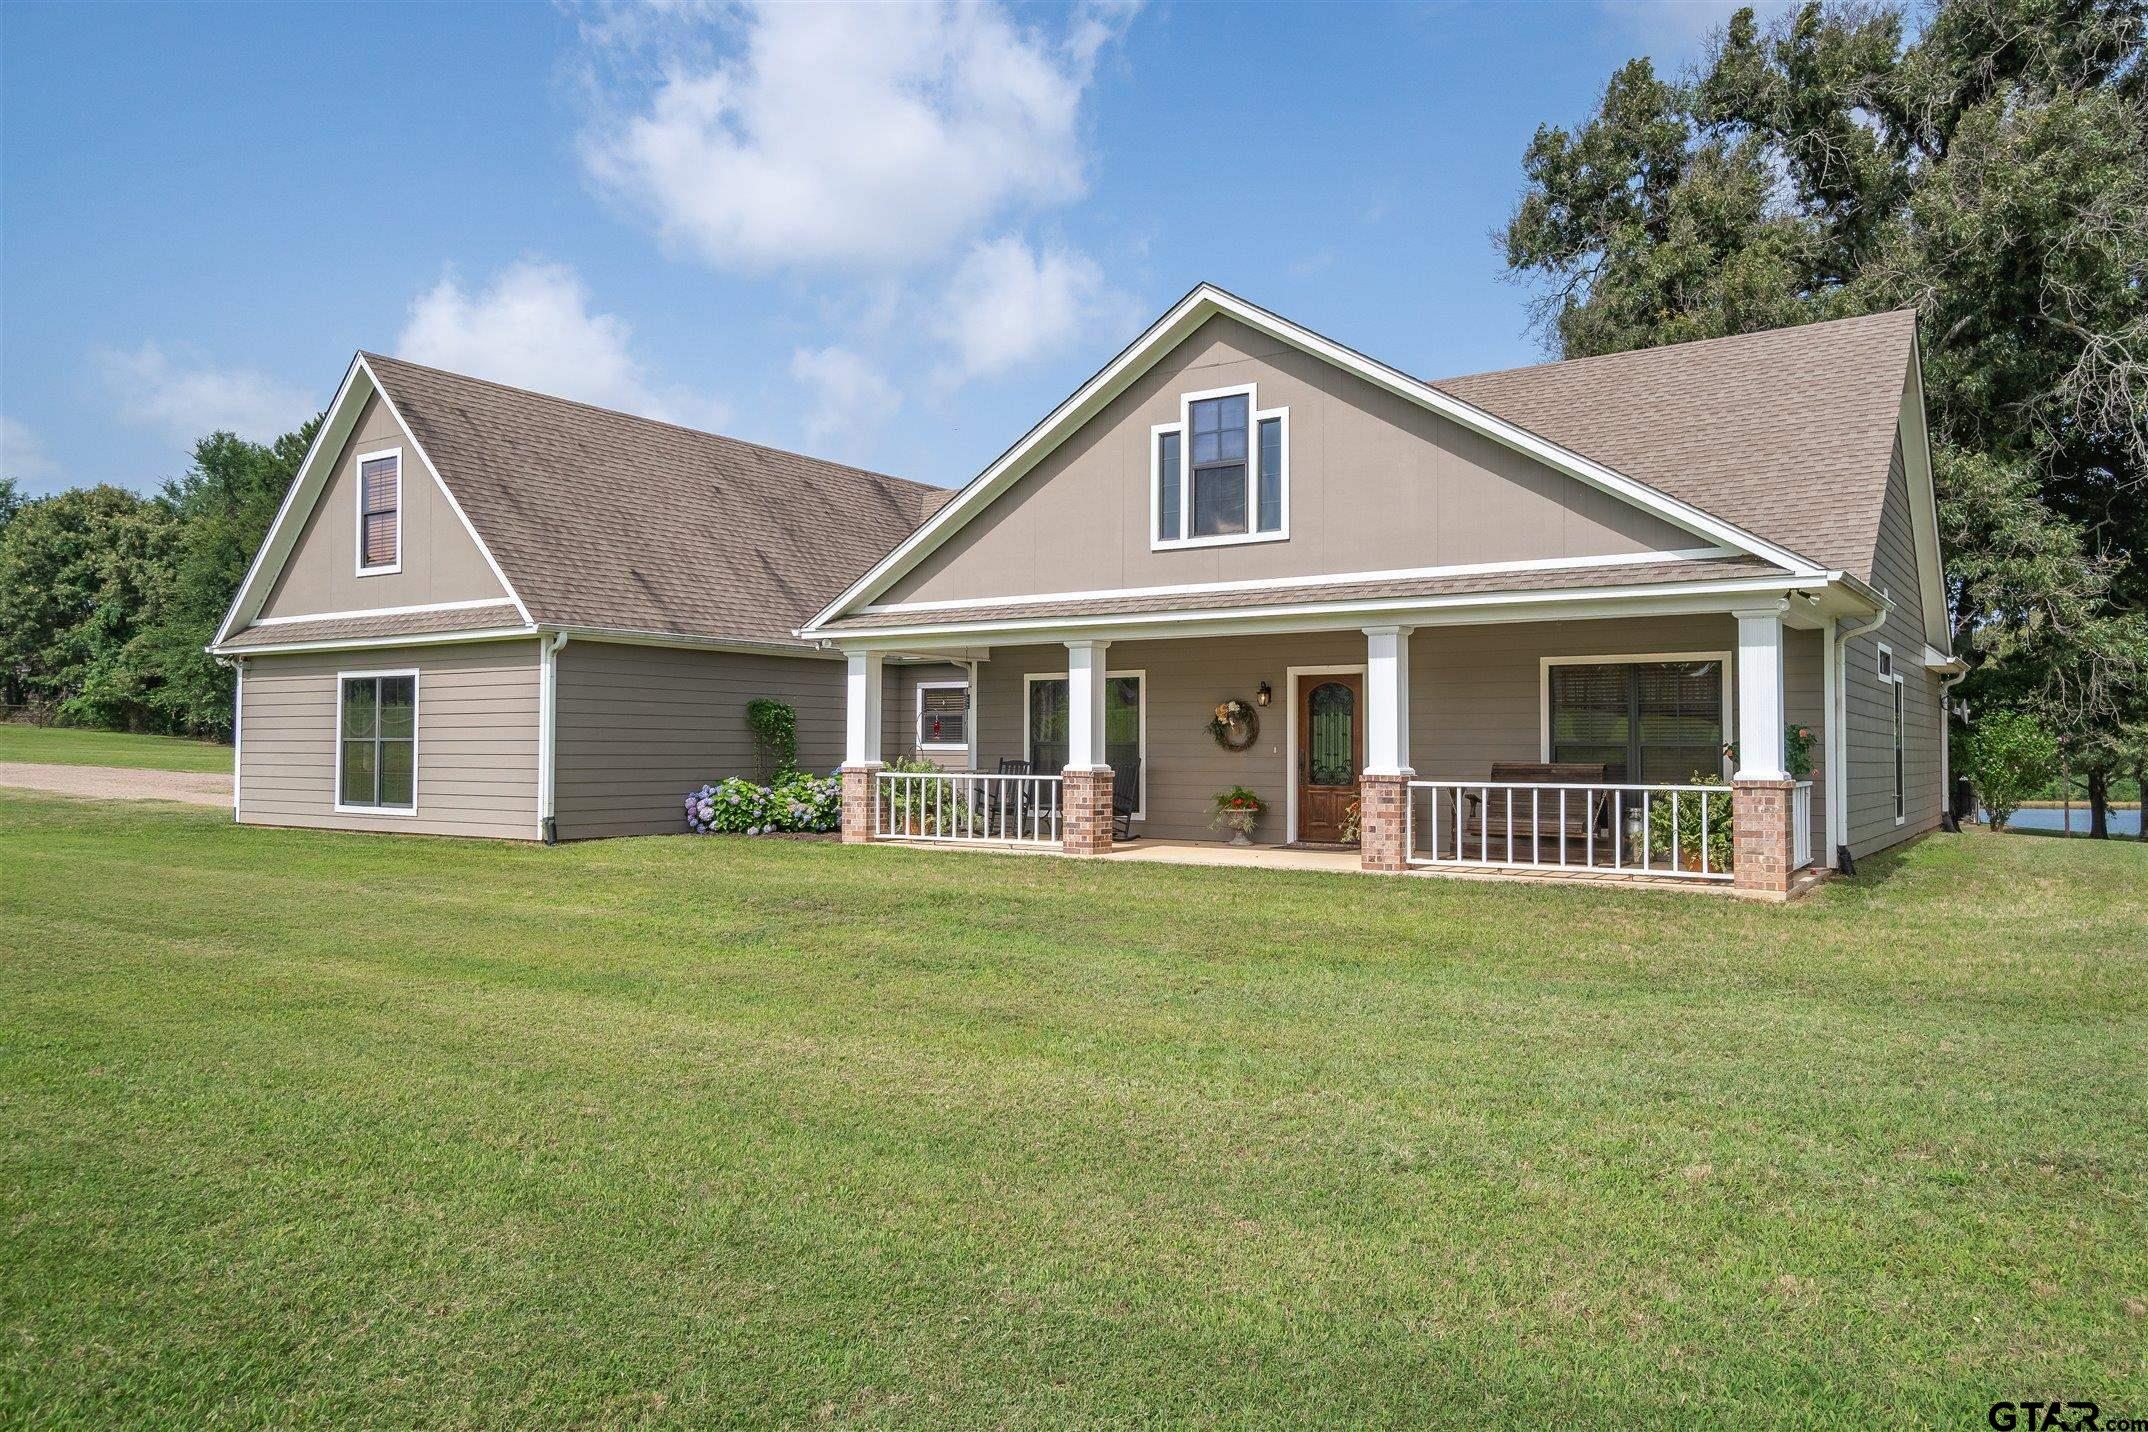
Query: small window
point(1901, 792)
point(380, 501)
point(377, 741)
point(943, 716)
point(1886, 663)
point(1221, 474)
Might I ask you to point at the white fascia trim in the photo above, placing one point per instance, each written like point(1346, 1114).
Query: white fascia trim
point(386, 611)
point(1186, 315)
point(439, 480)
point(362, 643)
point(1341, 614)
point(1338, 579)
point(358, 462)
point(312, 478)
point(1924, 503)
point(337, 422)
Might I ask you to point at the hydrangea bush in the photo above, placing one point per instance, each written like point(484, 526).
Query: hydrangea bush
point(798, 802)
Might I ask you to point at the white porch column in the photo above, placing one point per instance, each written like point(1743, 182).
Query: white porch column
point(1085, 705)
point(1760, 693)
point(1387, 701)
point(972, 756)
point(861, 710)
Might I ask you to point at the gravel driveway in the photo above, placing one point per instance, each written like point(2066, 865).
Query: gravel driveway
point(206, 788)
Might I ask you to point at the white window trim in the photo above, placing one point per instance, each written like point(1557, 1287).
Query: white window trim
point(1141, 798)
point(1649, 658)
point(917, 724)
point(1290, 733)
point(1890, 674)
point(1255, 416)
point(335, 770)
point(358, 475)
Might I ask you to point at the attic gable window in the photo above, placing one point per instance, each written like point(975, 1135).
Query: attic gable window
point(1221, 474)
point(380, 512)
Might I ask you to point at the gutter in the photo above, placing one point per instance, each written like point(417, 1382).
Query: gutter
point(1838, 737)
point(548, 649)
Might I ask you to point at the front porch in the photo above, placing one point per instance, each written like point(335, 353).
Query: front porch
point(1602, 749)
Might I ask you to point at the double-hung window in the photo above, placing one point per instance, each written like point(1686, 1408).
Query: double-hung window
point(1647, 722)
point(943, 716)
point(377, 741)
point(380, 512)
point(1221, 473)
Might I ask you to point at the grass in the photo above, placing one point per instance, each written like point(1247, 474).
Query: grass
point(313, 1129)
point(73, 746)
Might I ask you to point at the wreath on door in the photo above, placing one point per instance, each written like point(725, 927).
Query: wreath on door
point(1235, 725)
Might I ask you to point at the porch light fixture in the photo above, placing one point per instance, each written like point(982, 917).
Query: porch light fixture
point(1261, 697)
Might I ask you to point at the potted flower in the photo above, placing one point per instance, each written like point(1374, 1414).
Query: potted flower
point(1237, 811)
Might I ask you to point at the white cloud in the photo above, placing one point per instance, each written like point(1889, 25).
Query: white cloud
point(22, 454)
point(852, 400)
point(532, 327)
point(872, 137)
point(186, 397)
point(1008, 305)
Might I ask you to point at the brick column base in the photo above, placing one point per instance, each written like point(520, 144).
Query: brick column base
point(858, 804)
point(1085, 811)
point(1382, 814)
point(1760, 819)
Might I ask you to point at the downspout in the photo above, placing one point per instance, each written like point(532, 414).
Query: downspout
point(1948, 822)
point(1838, 739)
point(238, 727)
point(548, 649)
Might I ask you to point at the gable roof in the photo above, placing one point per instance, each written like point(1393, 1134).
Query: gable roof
point(1786, 433)
point(600, 520)
point(1690, 384)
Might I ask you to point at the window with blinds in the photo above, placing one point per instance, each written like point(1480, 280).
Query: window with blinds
point(1654, 723)
point(380, 500)
point(943, 717)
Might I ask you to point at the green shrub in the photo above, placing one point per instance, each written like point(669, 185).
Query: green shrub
point(2008, 755)
point(775, 739)
point(1685, 838)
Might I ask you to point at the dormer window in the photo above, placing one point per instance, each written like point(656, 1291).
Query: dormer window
point(1221, 473)
point(380, 512)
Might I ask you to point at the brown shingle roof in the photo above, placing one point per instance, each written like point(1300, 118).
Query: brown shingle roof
point(492, 616)
point(1461, 584)
point(606, 520)
point(1785, 433)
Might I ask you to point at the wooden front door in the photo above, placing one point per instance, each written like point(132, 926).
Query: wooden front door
point(1331, 751)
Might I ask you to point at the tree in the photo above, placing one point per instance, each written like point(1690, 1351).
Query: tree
point(1993, 174)
point(224, 505)
point(2009, 756)
point(81, 574)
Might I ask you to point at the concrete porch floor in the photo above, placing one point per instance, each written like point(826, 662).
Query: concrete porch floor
point(1342, 861)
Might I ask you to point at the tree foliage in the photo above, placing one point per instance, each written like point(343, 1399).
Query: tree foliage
point(2010, 755)
point(1983, 161)
point(107, 599)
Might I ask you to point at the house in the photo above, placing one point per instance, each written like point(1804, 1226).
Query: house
point(1521, 620)
point(482, 611)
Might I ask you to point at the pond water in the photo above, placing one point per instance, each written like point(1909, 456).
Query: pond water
point(2123, 822)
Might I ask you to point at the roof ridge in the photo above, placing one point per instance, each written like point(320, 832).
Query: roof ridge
point(912, 482)
point(1683, 344)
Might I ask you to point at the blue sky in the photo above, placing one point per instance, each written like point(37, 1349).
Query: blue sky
point(894, 236)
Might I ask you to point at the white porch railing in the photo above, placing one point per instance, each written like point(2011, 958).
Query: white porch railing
point(1801, 826)
point(1678, 831)
point(966, 806)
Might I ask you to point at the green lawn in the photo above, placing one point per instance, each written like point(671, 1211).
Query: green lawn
point(305, 1128)
point(70, 746)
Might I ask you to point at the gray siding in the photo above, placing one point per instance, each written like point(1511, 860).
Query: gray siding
point(1476, 696)
point(439, 561)
point(639, 726)
point(477, 739)
point(1870, 723)
point(1376, 483)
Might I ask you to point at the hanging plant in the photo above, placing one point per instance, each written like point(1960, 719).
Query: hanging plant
point(1235, 726)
